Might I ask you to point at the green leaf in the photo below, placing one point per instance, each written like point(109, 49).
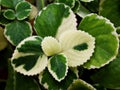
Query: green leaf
point(107, 11)
point(80, 85)
point(23, 10)
point(16, 31)
point(17, 81)
point(109, 76)
point(9, 14)
point(76, 6)
point(93, 6)
point(10, 3)
point(78, 46)
point(3, 20)
point(28, 57)
point(50, 83)
point(54, 20)
point(58, 67)
point(70, 3)
point(31, 46)
point(107, 42)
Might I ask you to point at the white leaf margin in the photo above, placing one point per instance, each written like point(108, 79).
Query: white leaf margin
point(8, 37)
point(83, 82)
point(53, 74)
point(40, 65)
point(113, 33)
point(67, 46)
point(27, 10)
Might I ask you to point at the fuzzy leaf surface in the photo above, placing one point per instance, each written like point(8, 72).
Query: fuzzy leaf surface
point(58, 67)
point(54, 19)
point(107, 42)
point(16, 31)
point(28, 57)
point(23, 10)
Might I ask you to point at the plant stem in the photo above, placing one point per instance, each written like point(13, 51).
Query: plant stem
point(42, 3)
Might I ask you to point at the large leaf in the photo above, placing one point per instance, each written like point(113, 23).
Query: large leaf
point(112, 13)
point(107, 43)
point(50, 83)
point(78, 46)
point(55, 19)
point(80, 85)
point(17, 81)
point(10, 3)
point(28, 57)
point(23, 10)
point(109, 76)
point(16, 31)
point(58, 67)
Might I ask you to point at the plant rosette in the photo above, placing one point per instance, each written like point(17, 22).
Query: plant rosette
point(60, 46)
point(16, 28)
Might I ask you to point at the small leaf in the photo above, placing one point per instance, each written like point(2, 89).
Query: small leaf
point(58, 67)
point(3, 20)
point(50, 83)
point(16, 31)
point(23, 10)
point(107, 11)
point(17, 81)
point(50, 46)
point(76, 6)
point(54, 20)
point(107, 42)
point(78, 46)
point(9, 14)
point(109, 76)
point(80, 85)
point(10, 3)
point(28, 57)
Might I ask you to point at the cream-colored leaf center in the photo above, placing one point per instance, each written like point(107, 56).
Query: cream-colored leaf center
point(50, 46)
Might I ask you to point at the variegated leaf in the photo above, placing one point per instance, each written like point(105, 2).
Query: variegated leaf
point(78, 46)
point(46, 79)
point(58, 67)
point(54, 20)
point(28, 57)
point(16, 31)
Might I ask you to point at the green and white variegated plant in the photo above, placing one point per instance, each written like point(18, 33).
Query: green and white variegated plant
point(59, 47)
point(13, 18)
